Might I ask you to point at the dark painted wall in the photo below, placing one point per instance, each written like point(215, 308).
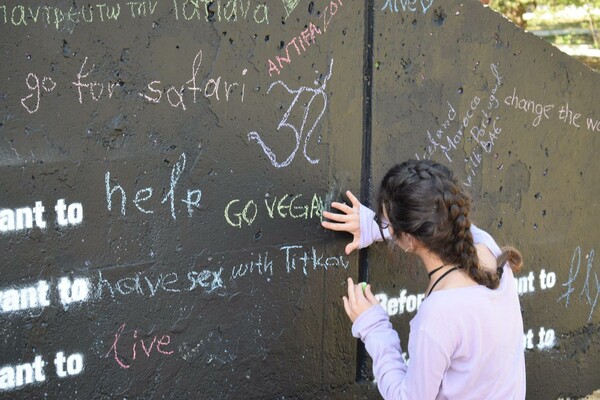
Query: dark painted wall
point(174, 157)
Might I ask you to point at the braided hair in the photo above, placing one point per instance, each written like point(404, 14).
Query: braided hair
point(423, 199)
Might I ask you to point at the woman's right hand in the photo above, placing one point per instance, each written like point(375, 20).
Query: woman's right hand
point(359, 300)
point(349, 221)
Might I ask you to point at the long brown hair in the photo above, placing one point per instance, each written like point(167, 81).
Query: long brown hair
point(422, 198)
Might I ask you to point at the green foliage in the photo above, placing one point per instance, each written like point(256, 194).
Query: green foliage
point(569, 39)
point(515, 9)
point(563, 3)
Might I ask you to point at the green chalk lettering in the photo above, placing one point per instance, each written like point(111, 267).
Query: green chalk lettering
point(131, 4)
point(113, 12)
point(37, 13)
point(195, 10)
point(303, 208)
point(100, 6)
point(176, 10)
point(218, 10)
point(265, 11)
point(152, 7)
point(244, 13)
point(57, 19)
point(281, 207)
point(47, 9)
point(316, 207)
point(72, 14)
point(89, 8)
point(21, 19)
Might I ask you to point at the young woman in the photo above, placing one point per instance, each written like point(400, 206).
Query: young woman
point(466, 340)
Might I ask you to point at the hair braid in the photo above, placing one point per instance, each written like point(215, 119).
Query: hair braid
point(464, 245)
point(423, 199)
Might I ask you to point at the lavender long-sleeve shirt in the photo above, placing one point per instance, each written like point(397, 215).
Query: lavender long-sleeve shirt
point(464, 343)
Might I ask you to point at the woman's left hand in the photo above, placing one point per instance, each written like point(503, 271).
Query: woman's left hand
point(349, 221)
point(358, 301)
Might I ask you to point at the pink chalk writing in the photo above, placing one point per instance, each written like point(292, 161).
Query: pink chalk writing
point(156, 344)
point(304, 39)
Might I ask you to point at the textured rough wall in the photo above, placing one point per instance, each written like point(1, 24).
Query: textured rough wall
point(165, 165)
point(517, 121)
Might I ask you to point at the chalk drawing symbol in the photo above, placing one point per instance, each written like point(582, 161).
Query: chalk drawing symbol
point(319, 91)
point(290, 6)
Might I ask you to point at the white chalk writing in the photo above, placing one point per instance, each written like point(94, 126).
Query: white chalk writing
point(407, 5)
point(35, 85)
point(191, 199)
point(142, 284)
point(151, 284)
point(299, 256)
point(89, 88)
point(290, 6)
point(487, 132)
point(261, 265)
point(538, 109)
point(96, 89)
point(450, 141)
point(213, 88)
point(589, 285)
point(216, 11)
point(59, 17)
point(227, 11)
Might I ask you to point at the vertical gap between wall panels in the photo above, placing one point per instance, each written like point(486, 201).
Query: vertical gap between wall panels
point(365, 179)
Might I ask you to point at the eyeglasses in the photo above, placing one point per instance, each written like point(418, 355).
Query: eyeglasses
point(381, 225)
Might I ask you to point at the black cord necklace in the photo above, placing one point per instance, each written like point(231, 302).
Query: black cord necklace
point(435, 270)
point(440, 278)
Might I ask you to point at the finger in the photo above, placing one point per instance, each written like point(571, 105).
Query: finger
point(347, 307)
point(353, 199)
point(358, 292)
point(335, 216)
point(334, 226)
point(370, 296)
point(350, 247)
point(345, 208)
point(351, 293)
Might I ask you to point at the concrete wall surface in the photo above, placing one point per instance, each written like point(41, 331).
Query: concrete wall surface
point(164, 166)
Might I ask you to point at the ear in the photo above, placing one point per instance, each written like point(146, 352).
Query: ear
point(405, 241)
point(412, 242)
